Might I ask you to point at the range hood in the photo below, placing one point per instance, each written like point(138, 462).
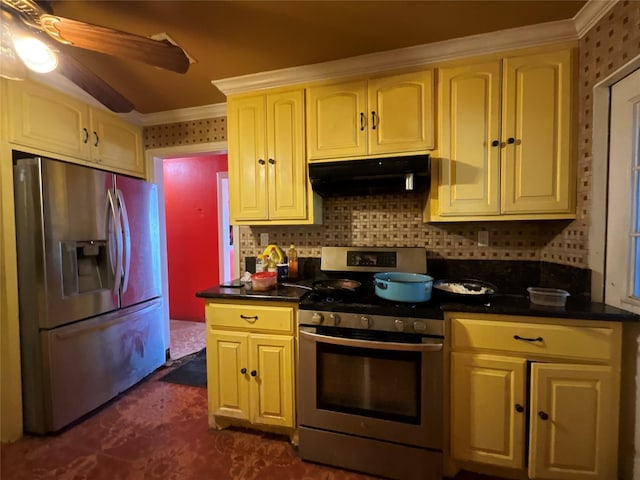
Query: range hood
point(371, 176)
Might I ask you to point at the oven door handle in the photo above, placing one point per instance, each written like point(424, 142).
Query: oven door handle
point(349, 342)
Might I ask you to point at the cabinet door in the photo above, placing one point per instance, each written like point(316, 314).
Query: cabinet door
point(537, 165)
point(116, 144)
point(272, 385)
point(401, 113)
point(247, 163)
point(470, 128)
point(337, 120)
point(286, 161)
point(43, 118)
point(481, 384)
point(573, 419)
point(228, 386)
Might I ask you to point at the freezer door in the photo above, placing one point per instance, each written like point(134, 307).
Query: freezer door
point(90, 362)
point(66, 256)
point(137, 202)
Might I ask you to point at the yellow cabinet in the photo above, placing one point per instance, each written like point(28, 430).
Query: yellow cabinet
point(250, 366)
point(267, 167)
point(505, 140)
point(48, 120)
point(483, 383)
point(390, 115)
point(553, 410)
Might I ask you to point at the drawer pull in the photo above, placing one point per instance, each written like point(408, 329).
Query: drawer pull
point(249, 319)
point(543, 415)
point(519, 408)
point(525, 339)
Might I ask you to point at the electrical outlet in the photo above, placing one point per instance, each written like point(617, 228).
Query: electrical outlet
point(264, 239)
point(483, 238)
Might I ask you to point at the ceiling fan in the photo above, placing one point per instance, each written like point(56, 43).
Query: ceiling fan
point(26, 20)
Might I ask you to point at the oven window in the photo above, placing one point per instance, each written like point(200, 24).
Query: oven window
point(369, 382)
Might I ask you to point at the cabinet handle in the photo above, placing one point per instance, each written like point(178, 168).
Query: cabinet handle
point(373, 120)
point(249, 319)
point(495, 143)
point(261, 161)
point(243, 371)
point(272, 161)
point(97, 139)
point(519, 408)
point(362, 121)
point(253, 373)
point(525, 339)
point(86, 135)
point(511, 140)
point(543, 415)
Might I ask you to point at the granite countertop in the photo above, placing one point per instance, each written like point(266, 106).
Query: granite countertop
point(278, 294)
point(576, 308)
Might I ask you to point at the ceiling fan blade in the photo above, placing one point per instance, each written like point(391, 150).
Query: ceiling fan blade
point(93, 84)
point(114, 42)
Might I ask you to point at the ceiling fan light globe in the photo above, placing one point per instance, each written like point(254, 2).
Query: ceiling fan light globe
point(35, 54)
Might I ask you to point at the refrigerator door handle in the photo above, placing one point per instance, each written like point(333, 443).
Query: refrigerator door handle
point(127, 239)
point(115, 234)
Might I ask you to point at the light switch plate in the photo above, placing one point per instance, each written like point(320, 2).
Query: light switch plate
point(264, 239)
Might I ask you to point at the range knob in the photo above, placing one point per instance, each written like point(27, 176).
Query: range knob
point(335, 319)
point(419, 326)
point(399, 325)
point(365, 322)
point(316, 318)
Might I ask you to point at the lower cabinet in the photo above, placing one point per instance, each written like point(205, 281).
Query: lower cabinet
point(523, 402)
point(250, 365)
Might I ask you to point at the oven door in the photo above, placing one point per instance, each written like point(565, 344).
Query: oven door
point(373, 388)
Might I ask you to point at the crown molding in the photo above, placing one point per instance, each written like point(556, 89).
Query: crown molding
point(474, 45)
point(590, 14)
point(183, 114)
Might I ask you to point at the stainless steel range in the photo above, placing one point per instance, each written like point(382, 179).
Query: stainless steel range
point(370, 371)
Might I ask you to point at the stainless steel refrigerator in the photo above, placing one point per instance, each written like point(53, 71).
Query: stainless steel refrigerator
point(91, 316)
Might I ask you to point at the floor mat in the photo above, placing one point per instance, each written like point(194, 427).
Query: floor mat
point(192, 371)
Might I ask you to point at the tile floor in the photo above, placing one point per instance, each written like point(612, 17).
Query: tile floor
point(158, 430)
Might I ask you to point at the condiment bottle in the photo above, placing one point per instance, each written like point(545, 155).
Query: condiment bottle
point(261, 266)
point(292, 258)
point(272, 262)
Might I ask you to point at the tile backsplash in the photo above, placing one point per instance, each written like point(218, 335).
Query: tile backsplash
point(396, 220)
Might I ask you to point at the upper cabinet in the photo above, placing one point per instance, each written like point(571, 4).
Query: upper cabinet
point(267, 167)
point(390, 115)
point(505, 140)
point(48, 120)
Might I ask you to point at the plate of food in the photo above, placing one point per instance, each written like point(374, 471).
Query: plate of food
point(465, 290)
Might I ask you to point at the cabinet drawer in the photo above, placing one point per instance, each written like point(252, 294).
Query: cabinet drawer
point(250, 317)
point(593, 343)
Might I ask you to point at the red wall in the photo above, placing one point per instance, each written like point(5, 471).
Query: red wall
point(191, 208)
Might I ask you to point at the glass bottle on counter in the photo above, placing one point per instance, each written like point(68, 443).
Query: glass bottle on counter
point(292, 259)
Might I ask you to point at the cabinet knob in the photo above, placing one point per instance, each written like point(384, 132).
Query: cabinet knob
point(495, 143)
point(253, 373)
point(511, 140)
point(272, 161)
point(362, 121)
point(261, 161)
point(243, 371)
point(543, 415)
point(519, 408)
